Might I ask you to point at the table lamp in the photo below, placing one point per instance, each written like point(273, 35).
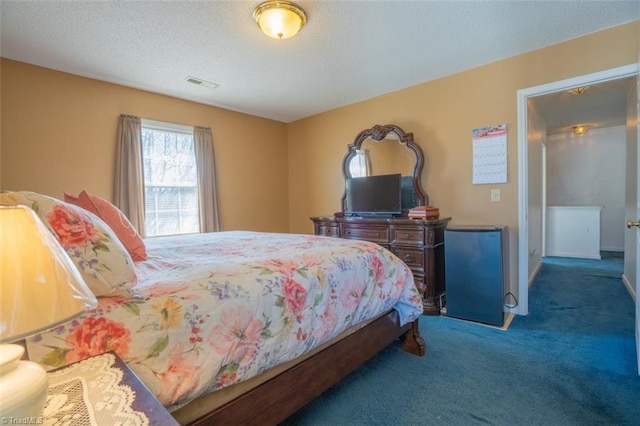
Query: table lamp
point(40, 288)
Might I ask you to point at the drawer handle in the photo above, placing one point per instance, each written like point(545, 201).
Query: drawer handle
point(407, 257)
point(406, 236)
point(377, 234)
point(348, 232)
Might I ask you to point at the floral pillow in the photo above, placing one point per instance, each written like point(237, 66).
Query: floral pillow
point(116, 220)
point(104, 263)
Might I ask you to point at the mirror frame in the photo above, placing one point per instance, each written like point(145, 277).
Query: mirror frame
point(379, 133)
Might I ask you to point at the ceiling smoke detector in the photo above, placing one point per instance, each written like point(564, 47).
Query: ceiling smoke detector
point(201, 82)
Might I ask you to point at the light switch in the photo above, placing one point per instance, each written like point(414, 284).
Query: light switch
point(495, 195)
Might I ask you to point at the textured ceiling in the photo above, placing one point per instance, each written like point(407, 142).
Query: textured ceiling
point(601, 105)
point(349, 50)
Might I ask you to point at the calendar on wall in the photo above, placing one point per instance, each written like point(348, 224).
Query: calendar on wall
point(490, 154)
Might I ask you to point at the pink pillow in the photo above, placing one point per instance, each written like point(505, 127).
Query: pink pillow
point(116, 220)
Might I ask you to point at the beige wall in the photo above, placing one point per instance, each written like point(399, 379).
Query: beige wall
point(59, 133)
point(441, 114)
point(1, 125)
point(631, 195)
point(537, 136)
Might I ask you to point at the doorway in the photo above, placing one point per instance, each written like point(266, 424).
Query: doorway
point(530, 177)
point(584, 169)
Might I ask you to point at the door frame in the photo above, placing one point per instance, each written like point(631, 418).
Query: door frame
point(522, 97)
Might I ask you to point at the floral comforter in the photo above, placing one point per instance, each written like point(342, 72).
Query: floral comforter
point(219, 308)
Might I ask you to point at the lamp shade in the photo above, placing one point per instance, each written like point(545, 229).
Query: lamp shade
point(279, 19)
point(40, 287)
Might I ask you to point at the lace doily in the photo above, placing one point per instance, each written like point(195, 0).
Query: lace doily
point(90, 393)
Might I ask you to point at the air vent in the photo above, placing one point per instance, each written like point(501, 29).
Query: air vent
point(201, 82)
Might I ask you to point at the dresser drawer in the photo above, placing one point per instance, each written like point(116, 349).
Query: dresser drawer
point(407, 236)
point(418, 279)
point(374, 234)
point(418, 243)
point(414, 258)
point(327, 230)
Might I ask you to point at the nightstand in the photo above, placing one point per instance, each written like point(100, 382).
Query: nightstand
point(101, 390)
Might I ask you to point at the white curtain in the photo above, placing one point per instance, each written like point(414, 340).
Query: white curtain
point(207, 192)
point(129, 181)
point(360, 164)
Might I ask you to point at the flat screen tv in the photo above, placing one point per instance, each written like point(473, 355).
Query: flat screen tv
point(373, 196)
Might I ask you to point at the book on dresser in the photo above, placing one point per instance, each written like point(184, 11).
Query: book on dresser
point(424, 212)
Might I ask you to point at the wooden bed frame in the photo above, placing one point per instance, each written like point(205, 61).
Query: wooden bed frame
point(281, 396)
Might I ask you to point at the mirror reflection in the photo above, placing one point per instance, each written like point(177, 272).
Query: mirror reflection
point(387, 150)
point(384, 157)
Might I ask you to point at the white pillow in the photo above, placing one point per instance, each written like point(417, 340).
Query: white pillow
point(94, 248)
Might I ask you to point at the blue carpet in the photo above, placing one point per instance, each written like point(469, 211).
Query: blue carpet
point(571, 361)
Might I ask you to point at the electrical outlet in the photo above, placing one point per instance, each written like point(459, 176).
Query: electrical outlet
point(495, 195)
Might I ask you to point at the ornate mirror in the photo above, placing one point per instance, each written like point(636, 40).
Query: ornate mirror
point(384, 150)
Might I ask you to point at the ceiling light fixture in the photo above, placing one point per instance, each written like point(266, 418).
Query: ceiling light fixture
point(578, 90)
point(279, 19)
point(579, 129)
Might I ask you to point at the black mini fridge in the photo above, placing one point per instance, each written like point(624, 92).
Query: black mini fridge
point(476, 270)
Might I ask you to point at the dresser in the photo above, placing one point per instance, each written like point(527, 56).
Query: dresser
point(382, 150)
point(419, 243)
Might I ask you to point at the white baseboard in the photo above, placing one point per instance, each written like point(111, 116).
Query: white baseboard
point(618, 249)
point(534, 273)
point(514, 310)
point(517, 310)
point(629, 286)
point(575, 255)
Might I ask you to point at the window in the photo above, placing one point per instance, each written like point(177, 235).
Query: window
point(360, 164)
point(170, 179)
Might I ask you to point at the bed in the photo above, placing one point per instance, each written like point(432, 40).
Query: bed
point(237, 327)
